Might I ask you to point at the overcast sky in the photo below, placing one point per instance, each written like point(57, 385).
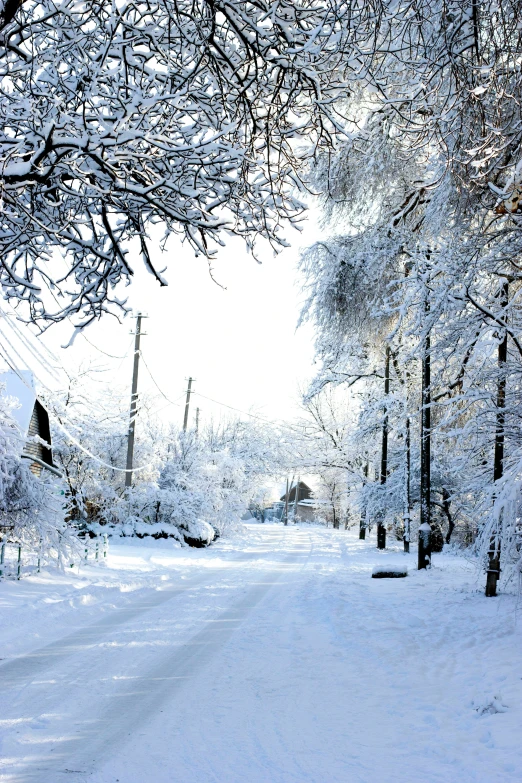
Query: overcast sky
point(239, 342)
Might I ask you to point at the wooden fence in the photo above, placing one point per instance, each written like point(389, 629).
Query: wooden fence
point(18, 560)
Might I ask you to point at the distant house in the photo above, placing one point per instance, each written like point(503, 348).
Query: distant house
point(32, 419)
point(303, 493)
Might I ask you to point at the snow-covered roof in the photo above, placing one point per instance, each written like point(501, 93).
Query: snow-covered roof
point(20, 386)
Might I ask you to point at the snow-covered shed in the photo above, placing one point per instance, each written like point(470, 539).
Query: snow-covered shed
point(32, 418)
point(304, 492)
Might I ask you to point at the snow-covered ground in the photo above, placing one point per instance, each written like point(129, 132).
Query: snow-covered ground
point(270, 658)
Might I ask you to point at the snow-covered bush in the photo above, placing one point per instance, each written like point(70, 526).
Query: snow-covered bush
point(193, 487)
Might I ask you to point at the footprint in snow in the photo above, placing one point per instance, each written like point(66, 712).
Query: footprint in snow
point(490, 705)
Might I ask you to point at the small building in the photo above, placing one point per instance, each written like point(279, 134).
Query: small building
point(32, 419)
point(304, 492)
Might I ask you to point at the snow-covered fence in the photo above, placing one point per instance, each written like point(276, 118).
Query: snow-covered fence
point(10, 560)
point(18, 560)
point(95, 549)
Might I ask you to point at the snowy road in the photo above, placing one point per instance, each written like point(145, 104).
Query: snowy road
point(271, 660)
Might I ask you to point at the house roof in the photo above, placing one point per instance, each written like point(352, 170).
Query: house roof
point(21, 387)
point(292, 486)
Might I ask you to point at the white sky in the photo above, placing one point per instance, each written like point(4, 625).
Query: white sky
point(240, 344)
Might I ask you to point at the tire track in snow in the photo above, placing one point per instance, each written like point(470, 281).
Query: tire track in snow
point(135, 699)
point(20, 671)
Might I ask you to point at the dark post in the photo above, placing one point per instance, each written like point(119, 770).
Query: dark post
point(493, 572)
point(381, 528)
point(424, 559)
point(286, 503)
point(362, 523)
point(407, 489)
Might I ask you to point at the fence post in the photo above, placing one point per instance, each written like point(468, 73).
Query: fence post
point(19, 567)
point(97, 549)
point(39, 556)
point(105, 544)
point(2, 558)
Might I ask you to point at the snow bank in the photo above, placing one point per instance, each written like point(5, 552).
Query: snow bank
point(196, 533)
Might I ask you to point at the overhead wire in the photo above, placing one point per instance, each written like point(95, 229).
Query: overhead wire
point(9, 320)
point(71, 437)
point(110, 355)
point(246, 413)
point(10, 363)
point(8, 357)
point(171, 402)
point(230, 407)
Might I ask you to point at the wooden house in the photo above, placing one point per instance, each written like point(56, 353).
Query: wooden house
point(303, 493)
point(32, 419)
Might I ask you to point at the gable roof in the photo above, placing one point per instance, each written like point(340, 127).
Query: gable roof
point(304, 491)
point(32, 418)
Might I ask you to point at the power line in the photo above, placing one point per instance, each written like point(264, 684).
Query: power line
point(230, 407)
point(171, 402)
point(110, 355)
point(10, 320)
point(245, 413)
point(66, 431)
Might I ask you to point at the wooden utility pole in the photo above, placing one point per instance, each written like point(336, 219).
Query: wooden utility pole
point(493, 572)
point(296, 499)
point(187, 404)
point(286, 503)
point(381, 527)
point(134, 403)
point(424, 554)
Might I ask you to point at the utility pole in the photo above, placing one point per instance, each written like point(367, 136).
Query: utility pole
point(296, 499)
point(187, 404)
point(286, 503)
point(134, 403)
point(197, 421)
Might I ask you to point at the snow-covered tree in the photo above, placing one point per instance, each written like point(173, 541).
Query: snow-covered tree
point(188, 486)
point(31, 508)
point(181, 114)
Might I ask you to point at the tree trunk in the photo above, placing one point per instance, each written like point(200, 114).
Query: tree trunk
point(446, 506)
point(407, 490)
point(381, 528)
point(362, 523)
point(424, 556)
point(493, 572)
